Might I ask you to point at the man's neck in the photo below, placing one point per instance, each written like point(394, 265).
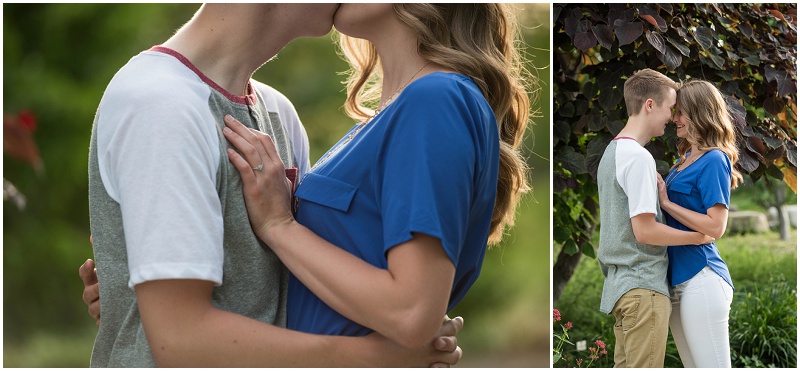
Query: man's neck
point(228, 49)
point(635, 128)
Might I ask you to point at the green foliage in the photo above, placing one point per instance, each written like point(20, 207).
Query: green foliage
point(764, 271)
point(768, 194)
point(51, 349)
point(57, 60)
point(763, 326)
point(749, 52)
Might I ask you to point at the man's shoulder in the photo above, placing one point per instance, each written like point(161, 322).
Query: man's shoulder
point(156, 77)
point(623, 153)
point(629, 147)
point(273, 99)
point(629, 154)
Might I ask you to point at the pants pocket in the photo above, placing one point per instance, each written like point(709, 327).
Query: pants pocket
point(628, 311)
point(727, 290)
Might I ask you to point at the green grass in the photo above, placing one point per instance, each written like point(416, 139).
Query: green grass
point(756, 262)
point(753, 259)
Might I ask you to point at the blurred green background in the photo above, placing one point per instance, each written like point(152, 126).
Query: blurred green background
point(57, 61)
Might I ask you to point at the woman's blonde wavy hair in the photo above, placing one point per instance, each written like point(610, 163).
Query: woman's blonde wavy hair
point(710, 126)
point(479, 41)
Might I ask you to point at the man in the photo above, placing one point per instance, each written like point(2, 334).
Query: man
point(632, 251)
point(185, 281)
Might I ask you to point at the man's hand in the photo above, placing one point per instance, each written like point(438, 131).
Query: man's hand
point(446, 340)
point(704, 239)
point(442, 351)
point(91, 289)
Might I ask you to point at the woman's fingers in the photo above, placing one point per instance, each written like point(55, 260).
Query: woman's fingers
point(258, 154)
point(245, 142)
point(269, 147)
point(256, 148)
point(243, 166)
point(264, 181)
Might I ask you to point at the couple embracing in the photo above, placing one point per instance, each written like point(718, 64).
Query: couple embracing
point(661, 277)
point(202, 195)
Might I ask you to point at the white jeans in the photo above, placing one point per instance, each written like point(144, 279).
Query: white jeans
point(699, 320)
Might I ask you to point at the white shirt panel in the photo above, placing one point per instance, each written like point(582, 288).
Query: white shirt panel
point(636, 174)
point(277, 102)
point(158, 151)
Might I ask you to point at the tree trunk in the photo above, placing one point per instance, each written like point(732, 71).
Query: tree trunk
point(562, 272)
point(566, 264)
point(783, 223)
point(783, 218)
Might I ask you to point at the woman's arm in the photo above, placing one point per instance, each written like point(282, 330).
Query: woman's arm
point(712, 223)
point(647, 230)
point(184, 329)
point(404, 302)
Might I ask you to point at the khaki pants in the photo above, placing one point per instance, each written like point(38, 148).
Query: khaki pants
point(641, 328)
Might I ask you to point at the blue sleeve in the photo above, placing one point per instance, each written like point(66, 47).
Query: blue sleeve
point(715, 183)
point(428, 165)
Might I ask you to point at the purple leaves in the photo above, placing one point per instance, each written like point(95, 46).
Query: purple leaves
point(627, 32)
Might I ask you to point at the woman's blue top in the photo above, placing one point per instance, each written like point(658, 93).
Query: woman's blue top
point(428, 164)
point(698, 187)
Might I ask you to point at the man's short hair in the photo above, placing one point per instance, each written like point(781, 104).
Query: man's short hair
point(643, 85)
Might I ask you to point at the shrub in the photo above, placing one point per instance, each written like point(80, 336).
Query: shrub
point(763, 326)
point(563, 357)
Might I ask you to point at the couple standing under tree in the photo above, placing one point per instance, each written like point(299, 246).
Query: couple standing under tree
point(668, 276)
point(193, 165)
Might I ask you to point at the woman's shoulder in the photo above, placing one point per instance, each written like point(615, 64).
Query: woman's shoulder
point(437, 85)
point(717, 158)
point(717, 154)
point(450, 99)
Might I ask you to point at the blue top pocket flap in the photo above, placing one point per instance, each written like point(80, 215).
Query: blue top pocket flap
point(685, 188)
point(326, 191)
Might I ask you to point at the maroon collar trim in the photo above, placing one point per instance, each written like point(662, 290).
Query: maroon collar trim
point(249, 99)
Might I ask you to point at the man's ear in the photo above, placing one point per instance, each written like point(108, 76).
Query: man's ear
point(649, 104)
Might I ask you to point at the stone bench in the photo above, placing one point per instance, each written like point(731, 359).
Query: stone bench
point(743, 222)
point(791, 213)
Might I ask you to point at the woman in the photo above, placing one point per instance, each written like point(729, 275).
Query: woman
point(696, 194)
point(395, 218)
point(392, 223)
